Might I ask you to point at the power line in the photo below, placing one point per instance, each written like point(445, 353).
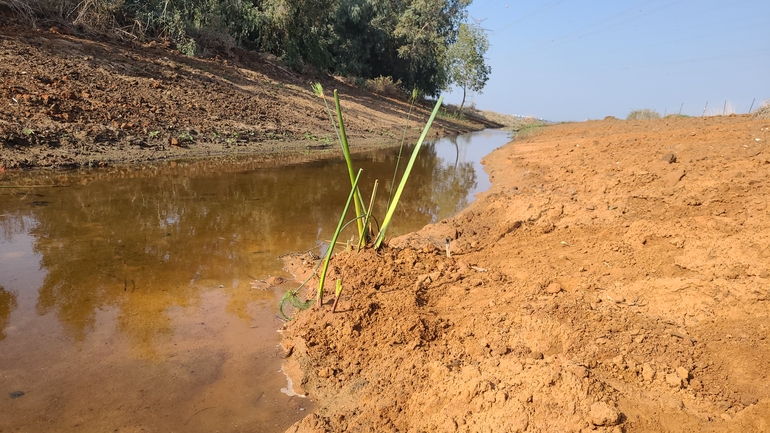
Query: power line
point(533, 13)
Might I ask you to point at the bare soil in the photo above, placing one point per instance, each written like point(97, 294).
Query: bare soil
point(72, 102)
point(615, 278)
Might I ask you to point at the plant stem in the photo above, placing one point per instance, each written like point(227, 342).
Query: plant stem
point(405, 176)
point(362, 239)
point(337, 295)
point(334, 239)
point(401, 148)
point(346, 152)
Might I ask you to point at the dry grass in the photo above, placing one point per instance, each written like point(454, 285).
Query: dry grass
point(763, 112)
point(643, 114)
point(23, 9)
point(90, 16)
point(385, 86)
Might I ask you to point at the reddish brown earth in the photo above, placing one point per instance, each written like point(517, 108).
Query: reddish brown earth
point(69, 102)
point(615, 278)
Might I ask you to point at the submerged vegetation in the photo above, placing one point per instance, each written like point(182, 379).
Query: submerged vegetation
point(363, 216)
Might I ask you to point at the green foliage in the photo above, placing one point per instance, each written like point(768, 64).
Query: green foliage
point(425, 30)
point(192, 24)
point(353, 190)
point(405, 40)
point(643, 114)
point(343, 138)
point(466, 66)
point(299, 31)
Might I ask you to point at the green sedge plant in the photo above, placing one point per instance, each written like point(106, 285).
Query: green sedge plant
point(363, 215)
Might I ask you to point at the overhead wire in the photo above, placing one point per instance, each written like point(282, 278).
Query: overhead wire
point(532, 14)
point(676, 41)
point(578, 34)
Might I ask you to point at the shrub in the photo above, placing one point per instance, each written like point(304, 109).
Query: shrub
point(352, 81)
point(97, 16)
point(763, 112)
point(644, 114)
point(385, 86)
point(211, 41)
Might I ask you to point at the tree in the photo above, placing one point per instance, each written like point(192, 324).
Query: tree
point(465, 60)
point(425, 30)
point(406, 40)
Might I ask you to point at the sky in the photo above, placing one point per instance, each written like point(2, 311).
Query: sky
point(575, 60)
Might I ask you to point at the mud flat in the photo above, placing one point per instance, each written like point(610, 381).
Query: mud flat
point(615, 278)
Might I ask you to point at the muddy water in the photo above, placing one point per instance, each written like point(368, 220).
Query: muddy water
point(131, 299)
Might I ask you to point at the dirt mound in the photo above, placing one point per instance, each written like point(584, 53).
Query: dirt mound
point(74, 102)
point(615, 278)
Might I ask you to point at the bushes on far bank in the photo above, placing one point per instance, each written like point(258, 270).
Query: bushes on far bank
point(407, 40)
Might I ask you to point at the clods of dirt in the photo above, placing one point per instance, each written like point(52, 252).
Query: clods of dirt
point(596, 287)
point(73, 102)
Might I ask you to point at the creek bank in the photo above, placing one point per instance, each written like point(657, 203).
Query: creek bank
point(74, 102)
point(600, 285)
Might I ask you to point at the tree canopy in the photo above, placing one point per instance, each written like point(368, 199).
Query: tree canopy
point(465, 64)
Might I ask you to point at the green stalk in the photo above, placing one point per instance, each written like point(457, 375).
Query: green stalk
point(401, 148)
point(346, 152)
point(293, 299)
point(337, 294)
point(291, 295)
point(362, 239)
point(405, 177)
point(319, 91)
point(334, 239)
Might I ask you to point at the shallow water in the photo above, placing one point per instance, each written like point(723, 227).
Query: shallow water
point(127, 297)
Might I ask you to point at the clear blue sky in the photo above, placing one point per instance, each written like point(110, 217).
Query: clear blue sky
point(576, 60)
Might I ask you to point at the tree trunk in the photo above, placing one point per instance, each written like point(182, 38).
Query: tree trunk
point(462, 103)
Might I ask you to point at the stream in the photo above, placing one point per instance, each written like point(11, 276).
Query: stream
point(133, 298)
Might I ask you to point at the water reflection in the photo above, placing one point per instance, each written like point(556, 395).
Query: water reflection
point(7, 304)
point(133, 248)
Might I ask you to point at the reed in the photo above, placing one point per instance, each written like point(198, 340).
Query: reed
point(412, 100)
point(364, 215)
point(334, 239)
point(405, 176)
point(339, 129)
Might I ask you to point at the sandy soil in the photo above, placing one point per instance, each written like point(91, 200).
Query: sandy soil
point(70, 102)
point(615, 278)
